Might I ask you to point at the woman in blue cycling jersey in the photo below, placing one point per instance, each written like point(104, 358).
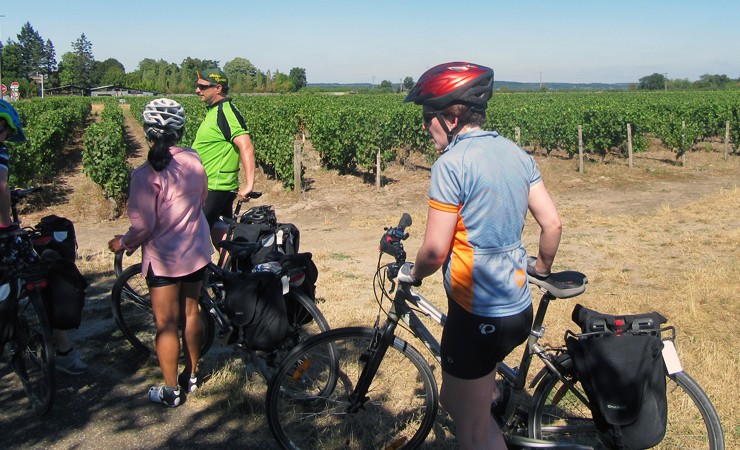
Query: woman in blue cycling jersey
point(481, 188)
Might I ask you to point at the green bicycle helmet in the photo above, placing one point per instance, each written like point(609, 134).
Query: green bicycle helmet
point(10, 115)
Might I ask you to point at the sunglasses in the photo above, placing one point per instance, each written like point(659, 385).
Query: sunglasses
point(204, 87)
point(5, 127)
point(429, 116)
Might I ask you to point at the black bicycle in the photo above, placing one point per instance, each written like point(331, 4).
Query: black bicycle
point(133, 313)
point(366, 387)
point(29, 344)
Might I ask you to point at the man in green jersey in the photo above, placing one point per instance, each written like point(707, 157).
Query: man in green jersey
point(222, 141)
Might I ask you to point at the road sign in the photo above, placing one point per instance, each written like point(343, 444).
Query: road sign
point(14, 86)
point(4, 88)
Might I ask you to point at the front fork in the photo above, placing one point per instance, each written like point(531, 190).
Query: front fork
point(371, 357)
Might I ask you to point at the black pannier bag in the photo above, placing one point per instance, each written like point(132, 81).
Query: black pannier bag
point(619, 363)
point(254, 304)
point(281, 238)
point(64, 294)
point(304, 281)
point(8, 310)
point(58, 234)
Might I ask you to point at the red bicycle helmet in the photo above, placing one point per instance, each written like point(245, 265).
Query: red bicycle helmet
point(451, 83)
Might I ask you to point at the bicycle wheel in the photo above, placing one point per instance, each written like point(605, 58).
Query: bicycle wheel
point(308, 399)
point(123, 260)
point(693, 422)
point(306, 320)
point(132, 310)
point(33, 353)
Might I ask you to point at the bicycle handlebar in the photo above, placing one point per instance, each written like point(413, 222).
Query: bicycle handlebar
point(18, 193)
point(253, 194)
point(391, 244)
point(564, 284)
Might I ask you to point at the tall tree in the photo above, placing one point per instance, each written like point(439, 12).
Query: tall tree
point(715, 81)
point(110, 71)
point(50, 64)
point(69, 69)
point(12, 63)
point(282, 83)
point(242, 75)
point(298, 76)
point(82, 65)
point(652, 82)
point(32, 51)
point(408, 83)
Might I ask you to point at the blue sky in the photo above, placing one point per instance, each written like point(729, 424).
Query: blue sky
point(358, 41)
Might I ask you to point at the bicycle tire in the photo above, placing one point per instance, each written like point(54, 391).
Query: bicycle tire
point(132, 311)
point(308, 398)
point(33, 352)
point(118, 263)
point(305, 321)
point(692, 420)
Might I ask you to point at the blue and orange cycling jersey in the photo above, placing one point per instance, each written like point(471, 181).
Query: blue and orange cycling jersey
point(485, 179)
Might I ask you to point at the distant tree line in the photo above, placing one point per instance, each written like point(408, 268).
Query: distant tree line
point(30, 56)
point(659, 81)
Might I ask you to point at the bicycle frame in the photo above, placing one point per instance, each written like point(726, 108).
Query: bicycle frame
point(515, 377)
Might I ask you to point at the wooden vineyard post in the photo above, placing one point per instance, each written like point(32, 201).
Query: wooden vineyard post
point(377, 171)
point(580, 149)
point(629, 144)
point(518, 136)
point(727, 138)
point(297, 146)
point(683, 142)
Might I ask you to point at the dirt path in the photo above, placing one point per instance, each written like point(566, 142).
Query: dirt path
point(340, 219)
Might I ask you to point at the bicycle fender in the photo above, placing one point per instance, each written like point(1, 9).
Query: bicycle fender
point(540, 375)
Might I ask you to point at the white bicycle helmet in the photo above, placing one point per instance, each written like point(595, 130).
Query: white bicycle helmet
point(163, 116)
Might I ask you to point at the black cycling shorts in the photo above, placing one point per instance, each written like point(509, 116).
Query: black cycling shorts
point(154, 281)
point(472, 345)
point(218, 203)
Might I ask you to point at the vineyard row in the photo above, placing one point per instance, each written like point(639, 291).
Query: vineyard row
point(350, 131)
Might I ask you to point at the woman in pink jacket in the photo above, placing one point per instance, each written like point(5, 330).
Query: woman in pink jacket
point(165, 208)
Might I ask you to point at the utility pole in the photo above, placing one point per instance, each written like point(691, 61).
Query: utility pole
point(665, 82)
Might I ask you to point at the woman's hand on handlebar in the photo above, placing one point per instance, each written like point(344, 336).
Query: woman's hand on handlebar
point(115, 245)
point(404, 275)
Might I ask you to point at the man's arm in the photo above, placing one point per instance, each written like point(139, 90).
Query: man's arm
point(4, 198)
point(246, 154)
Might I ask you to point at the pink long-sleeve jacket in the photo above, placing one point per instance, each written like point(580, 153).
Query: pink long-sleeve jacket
point(166, 213)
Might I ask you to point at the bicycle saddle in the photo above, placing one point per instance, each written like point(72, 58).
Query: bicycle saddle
point(564, 284)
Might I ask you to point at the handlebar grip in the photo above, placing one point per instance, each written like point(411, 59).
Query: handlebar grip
point(404, 222)
point(253, 194)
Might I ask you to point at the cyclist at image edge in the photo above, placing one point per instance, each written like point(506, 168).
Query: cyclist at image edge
point(222, 141)
point(165, 208)
point(481, 187)
point(68, 358)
